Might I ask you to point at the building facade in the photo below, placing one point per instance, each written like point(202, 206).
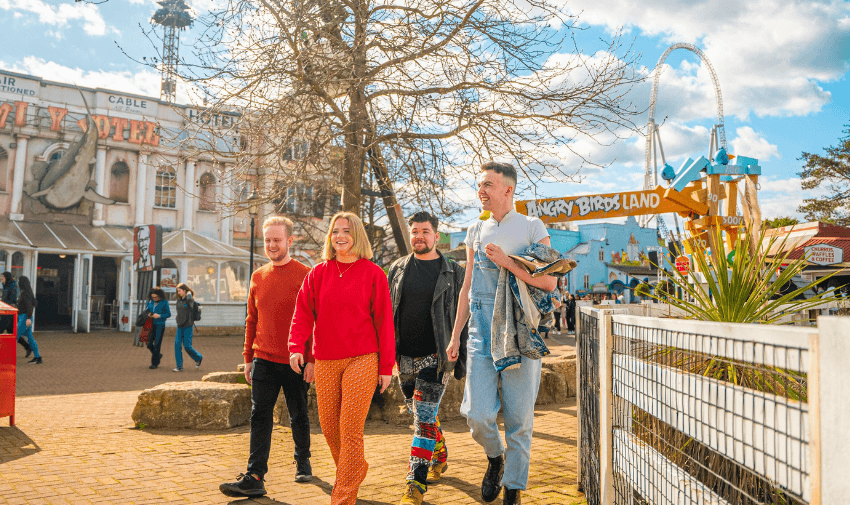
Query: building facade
point(80, 168)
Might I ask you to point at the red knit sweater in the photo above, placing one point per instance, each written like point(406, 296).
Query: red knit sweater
point(271, 302)
point(349, 315)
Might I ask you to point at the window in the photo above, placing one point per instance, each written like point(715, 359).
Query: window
point(56, 155)
point(586, 281)
point(3, 259)
point(202, 277)
point(298, 150)
point(119, 182)
point(170, 277)
point(601, 255)
point(4, 168)
point(318, 204)
point(166, 188)
point(285, 201)
point(234, 282)
point(17, 265)
point(207, 194)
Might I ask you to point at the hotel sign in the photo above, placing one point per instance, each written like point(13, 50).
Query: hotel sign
point(824, 254)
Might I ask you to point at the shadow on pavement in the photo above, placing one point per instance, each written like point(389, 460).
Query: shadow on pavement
point(15, 444)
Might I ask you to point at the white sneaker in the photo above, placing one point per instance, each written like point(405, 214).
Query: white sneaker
point(177, 370)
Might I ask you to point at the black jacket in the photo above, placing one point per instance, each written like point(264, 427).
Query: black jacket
point(10, 293)
point(443, 309)
point(26, 306)
point(184, 308)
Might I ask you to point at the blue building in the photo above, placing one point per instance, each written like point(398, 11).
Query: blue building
point(610, 257)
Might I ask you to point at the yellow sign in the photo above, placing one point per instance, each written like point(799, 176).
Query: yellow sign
point(577, 208)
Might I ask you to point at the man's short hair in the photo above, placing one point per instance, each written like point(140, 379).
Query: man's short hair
point(280, 221)
point(506, 169)
point(423, 216)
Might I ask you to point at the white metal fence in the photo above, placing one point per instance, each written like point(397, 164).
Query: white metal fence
point(694, 412)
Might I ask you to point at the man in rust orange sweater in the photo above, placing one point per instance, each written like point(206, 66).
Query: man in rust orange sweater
point(271, 303)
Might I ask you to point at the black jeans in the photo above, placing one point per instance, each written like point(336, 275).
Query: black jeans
point(571, 321)
point(155, 343)
point(557, 320)
point(267, 379)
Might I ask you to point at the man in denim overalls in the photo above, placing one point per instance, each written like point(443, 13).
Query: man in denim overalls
point(489, 242)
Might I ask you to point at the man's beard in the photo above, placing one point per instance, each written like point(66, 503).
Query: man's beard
point(278, 255)
point(426, 249)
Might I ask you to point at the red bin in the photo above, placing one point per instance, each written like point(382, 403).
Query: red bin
point(8, 357)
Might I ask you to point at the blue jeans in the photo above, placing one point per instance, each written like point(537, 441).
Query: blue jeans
point(481, 398)
point(183, 338)
point(25, 331)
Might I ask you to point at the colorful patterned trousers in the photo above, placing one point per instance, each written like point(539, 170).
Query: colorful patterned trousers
point(344, 389)
point(423, 387)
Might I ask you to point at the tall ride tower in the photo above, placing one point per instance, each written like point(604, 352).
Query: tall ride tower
point(173, 15)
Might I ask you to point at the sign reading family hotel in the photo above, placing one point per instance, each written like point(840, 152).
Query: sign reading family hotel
point(572, 208)
point(824, 254)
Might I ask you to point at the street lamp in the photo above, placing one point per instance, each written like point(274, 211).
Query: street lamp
point(253, 210)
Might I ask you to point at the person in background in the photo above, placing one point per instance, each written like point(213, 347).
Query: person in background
point(424, 287)
point(345, 305)
point(271, 303)
point(570, 312)
point(185, 306)
point(10, 297)
point(26, 306)
point(159, 311)
point(557, 312)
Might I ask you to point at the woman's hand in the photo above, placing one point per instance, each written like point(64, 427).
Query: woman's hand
point(453, 349)
point(29, 323)
point(309, 373)
point(155, 316)
point(384, 381)
point(296, 360)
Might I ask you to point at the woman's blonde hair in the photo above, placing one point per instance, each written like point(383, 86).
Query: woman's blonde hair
point(361, 247)
point(185, 288)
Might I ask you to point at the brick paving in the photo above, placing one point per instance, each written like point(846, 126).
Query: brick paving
point(75, 442)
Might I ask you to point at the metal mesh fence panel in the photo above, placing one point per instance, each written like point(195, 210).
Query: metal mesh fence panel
point(588, 355)
point(708, 419)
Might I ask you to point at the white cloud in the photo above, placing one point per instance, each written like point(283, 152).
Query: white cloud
point(145, 82)
point(89, 14)
point(753, 145)
point(770, 56)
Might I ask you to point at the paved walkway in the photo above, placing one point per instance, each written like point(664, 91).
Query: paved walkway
point(75, 443)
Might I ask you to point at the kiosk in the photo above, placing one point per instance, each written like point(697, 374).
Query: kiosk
point(8, 356)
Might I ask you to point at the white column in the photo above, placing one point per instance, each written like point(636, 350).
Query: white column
point(141, 187)
point(226, 196)
point(189, 201)
point(100, 179)
point(18, 178)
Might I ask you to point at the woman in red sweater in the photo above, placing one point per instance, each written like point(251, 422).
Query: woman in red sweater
point(344, 303)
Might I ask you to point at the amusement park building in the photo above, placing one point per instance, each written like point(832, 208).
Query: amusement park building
point(610, 256)
point(68, 224)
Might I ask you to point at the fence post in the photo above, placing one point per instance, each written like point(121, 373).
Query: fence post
point(606, 409)
point(829, 411)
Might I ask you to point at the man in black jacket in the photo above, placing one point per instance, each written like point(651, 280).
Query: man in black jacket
point(424, 287)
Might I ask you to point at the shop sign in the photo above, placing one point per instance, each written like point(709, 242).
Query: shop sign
point(629, 203)
point(824, 254)
point(127, 103)
point(683, 264)
point(147, 247)
point(600, 287)
point(211, 119)
point(16, 87)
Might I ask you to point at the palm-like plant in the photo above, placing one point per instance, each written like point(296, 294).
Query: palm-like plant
point(748, 287)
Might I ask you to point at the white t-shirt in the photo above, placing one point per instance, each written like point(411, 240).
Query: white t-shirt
point(513, 234)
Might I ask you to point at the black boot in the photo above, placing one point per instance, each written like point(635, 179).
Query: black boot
point(26, 347)
point(492, 483)
point(303, 470)
point(512, 497)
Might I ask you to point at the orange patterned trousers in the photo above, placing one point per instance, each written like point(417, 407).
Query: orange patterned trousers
point(344, 389)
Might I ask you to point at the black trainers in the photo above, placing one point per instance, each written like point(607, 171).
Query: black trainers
point(35, 361)
point(303, 470)
point(245, 485)
point(198, 363)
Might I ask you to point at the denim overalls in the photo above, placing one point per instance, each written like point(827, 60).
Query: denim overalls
point(481, 400)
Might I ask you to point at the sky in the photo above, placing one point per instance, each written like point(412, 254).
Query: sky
point(782, 67)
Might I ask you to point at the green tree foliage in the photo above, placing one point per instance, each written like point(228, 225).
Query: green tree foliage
point(779, 222)
point(832, 172)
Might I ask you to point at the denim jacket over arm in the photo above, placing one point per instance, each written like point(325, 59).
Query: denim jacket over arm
point(443, 309)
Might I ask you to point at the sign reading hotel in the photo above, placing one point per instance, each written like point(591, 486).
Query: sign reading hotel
point(824, 254)
point(629, 203)
point(16, 87)
point(211, 119)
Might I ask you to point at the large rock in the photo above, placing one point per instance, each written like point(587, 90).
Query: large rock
point(553, 388)
point(225, 377)
point(566, 367)
point(197, 405)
